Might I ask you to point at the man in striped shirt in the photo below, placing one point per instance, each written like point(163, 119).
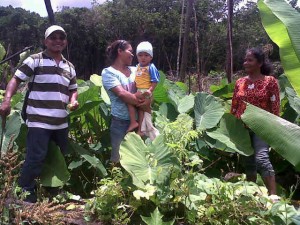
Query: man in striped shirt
point(53, 86)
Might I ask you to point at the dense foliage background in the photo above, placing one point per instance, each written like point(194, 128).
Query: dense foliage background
point(191, 173)
point(91, 30)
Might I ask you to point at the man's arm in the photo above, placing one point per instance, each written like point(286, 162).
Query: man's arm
point(11, 89)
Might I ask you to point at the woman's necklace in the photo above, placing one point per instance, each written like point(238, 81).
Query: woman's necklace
point(256, 78)
point(125, 70)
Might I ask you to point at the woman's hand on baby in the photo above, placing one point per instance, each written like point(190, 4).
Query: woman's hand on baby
point(145, 105)
point(139, 95)
point(147, 94)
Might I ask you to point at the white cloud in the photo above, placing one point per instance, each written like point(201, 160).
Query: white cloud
point(39, 5)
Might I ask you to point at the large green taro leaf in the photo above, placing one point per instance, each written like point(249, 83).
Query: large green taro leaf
point(178, 97)
point(208, 111)
point(55, 172)
point(281, 22)
point(147, 164)
point(233, 134)
point(281, 135)
point(11, 130)
point(2, 52)
point(89, 157)
point(97, 80)
point(160, 92)
point(88, 100)
point(182, 104)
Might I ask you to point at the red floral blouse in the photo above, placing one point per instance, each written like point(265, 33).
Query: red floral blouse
point(262, 93)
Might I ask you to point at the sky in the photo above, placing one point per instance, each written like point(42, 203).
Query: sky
point(39, 5)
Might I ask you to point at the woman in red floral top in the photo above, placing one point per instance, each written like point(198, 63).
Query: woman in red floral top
point(262, 91)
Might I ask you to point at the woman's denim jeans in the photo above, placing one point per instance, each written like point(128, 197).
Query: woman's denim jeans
point(118, 130)
point(260, 160)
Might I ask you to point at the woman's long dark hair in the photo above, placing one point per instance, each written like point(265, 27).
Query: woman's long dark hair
point(112, 50)
point(266, 66)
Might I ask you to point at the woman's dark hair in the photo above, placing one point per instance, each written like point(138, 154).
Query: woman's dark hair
point(266, 66)
point(112, 49)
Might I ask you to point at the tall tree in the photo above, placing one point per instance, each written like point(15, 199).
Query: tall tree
point(196, 34)
point(229, 60)
point(185, 39)
point(181, 26)
point(50, 11)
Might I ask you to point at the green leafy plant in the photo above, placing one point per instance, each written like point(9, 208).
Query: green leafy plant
point(282, 135)
point(156, 218)
point(147, 164)
point(110, 203)
point(280, 21)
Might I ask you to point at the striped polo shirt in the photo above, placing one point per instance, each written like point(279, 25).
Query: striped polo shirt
point(49, 96)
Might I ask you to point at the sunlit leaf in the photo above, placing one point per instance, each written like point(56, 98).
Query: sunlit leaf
point(156, 219)
point(208, 111)
point(147, 164)
point(281, 22)
point(97, 80)
point(280, 134)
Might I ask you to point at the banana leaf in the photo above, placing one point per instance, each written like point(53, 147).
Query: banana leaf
point(233, 135)
point(281, 23)
point(280, 134)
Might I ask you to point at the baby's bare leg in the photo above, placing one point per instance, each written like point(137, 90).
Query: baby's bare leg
point(132, 116)
point(141, 118)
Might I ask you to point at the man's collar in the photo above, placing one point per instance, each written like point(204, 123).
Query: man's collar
point(47, 56)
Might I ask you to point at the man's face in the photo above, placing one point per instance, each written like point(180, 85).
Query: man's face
point(56, 42)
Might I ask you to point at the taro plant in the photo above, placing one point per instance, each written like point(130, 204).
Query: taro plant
point(111, 203)
point(175, 192)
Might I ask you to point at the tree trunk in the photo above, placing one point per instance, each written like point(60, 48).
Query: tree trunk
point(197, 48)
point(229, 63)
point(50, 11)
point(168, 61)
point(181, 28)
point(185, 39)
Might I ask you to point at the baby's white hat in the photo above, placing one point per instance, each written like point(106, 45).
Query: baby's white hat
point(145, 46)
